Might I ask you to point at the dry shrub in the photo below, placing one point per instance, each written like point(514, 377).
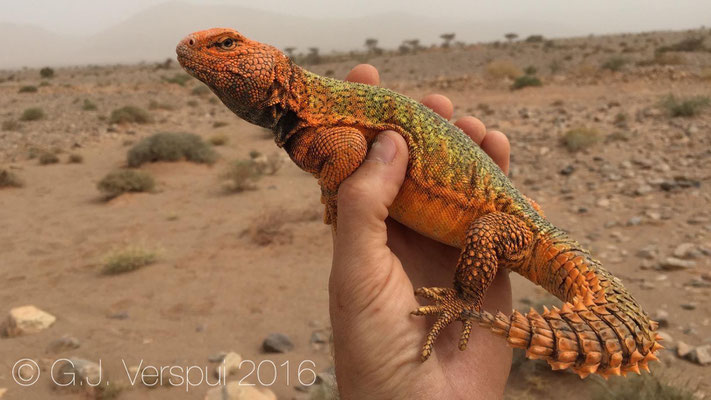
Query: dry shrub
point(125, 180)
point(75, 158)
point(32, 114)
point(47, 158)
point(500, 69)
point(242, 175)
point(128, 259)
point(269, 164)
point(9, 179)
point(171, 146)
point(130, 114)
point(684, 107)
point(580, 138)
point(218, 140)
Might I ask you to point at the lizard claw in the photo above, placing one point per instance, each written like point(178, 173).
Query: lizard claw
point(449, 306)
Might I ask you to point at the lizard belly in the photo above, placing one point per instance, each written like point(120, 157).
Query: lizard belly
point(436, 214)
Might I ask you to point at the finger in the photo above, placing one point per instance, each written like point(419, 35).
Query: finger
point(440, 104)
point(497, 146)
point(364, 197)
point(473, 127)
point(364, 73)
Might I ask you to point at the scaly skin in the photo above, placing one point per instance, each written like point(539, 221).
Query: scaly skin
point(453, 193)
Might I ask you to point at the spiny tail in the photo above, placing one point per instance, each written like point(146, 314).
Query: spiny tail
point(599, 329)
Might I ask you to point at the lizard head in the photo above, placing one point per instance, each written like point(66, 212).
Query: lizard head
point(248, 76)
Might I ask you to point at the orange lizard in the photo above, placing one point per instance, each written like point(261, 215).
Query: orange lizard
point(453, 193)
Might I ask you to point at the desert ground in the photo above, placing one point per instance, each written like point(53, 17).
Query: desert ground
point(600, 145)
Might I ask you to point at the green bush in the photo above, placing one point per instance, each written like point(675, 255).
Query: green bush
point(88, 105)
point(28, 89)
point(125, 180)
point(580, 138)
point(687, 107)
point(9, 179)
point(32, 114)
point(128, 259)
point(47, 158)
point(130, 114)
point(170, 146)
point(524, 81)
point(47, 72)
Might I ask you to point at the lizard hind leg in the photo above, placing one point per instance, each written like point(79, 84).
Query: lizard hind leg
point(491, 239)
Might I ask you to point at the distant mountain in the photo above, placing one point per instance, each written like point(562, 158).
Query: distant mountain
point(152, 34)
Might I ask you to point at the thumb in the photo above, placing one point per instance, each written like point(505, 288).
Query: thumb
point(364, 197)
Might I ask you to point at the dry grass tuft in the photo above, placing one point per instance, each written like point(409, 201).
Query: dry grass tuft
point(580, 138)
point(684, 107)
point(500, 69)
point(125, 180)
point(129, 115)
point(128, 259)
point(9, 179)
point(242, 175)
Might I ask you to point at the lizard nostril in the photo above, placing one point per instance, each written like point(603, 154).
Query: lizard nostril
point(191, 42)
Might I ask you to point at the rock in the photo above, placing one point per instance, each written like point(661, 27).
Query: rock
point(319, 337)
point(604, 203)
point(79, 372)
point(634, 221)
point(568, 170)
point(701, 354)
point(662, 317)
point(215, 358)
point(277, 343)
point(63, 344)
point(686, 250)
point(688, 306)
point(683, 349)
point(674, 264)
point(237, 391)
point(26, 320)
point(230, 364)
point(648, 252)
point(118, 315)
point(643, 189)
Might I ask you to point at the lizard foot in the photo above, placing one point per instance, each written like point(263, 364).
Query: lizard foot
point(449, 306)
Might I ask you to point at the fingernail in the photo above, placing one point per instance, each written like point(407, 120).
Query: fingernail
point(383, 149)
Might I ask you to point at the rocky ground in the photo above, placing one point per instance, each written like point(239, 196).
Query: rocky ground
point(597, 145)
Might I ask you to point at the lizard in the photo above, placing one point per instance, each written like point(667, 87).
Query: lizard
point(452, 192)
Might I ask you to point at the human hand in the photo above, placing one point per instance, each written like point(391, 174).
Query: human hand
point(377, 262)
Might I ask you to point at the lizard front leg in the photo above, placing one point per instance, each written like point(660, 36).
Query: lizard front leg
point(494, 239)
point(331, 154)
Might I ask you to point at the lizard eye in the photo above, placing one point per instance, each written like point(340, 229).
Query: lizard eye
point(227, 44)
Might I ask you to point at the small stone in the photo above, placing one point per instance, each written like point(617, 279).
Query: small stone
point(634, 221)
point(277, 343)
point(568, 170)
point(683, 349)
point(229, 365)
point(27, 320)
point(239, 391)
point(662, 318)
point(215, 358)
point(604, 203)
point(643, 189)
point(319, 337)
point(64, 343)
point(79, 372)
point(648, 252)
point(647, 285)
point(118, 315)
point(688, 306)
point(674, 264)
point(701, 354)
point(686, 250)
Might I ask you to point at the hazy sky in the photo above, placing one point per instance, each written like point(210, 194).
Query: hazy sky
point(599, 16)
